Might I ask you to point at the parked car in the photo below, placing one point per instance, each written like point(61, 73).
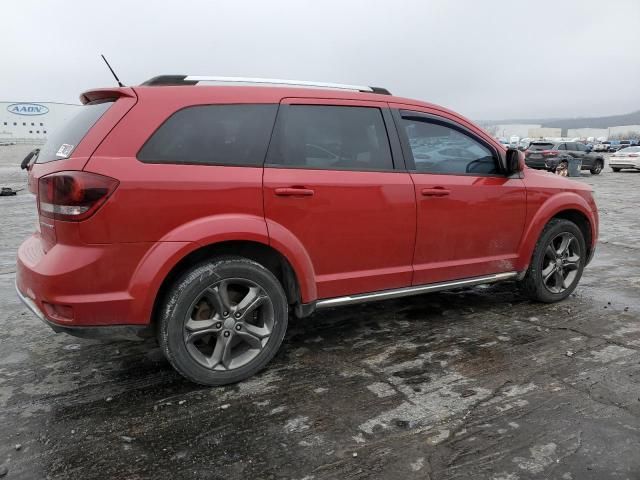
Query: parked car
point(601, 147)
point(626, 158)
point(204, 215)
point(550, 156)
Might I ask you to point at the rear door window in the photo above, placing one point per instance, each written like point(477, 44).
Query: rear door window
point(235, 135)
point(330, 138)
point(63, 142)
point(572, 147)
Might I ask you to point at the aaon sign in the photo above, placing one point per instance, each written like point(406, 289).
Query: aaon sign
point(27, 109)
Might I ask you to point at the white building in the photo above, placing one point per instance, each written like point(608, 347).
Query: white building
point(32, 122)
point(588, 132)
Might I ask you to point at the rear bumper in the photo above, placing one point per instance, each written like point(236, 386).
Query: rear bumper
point(81, 285)
point(125, 332)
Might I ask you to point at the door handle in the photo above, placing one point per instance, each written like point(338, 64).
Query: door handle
point(294, 192)
point(435, 192)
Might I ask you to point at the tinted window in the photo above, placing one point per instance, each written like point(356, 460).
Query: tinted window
point(437, 148)
point(333, 138)
point(64, 141)
point(212, 134)
point(572, 147)
point(580, 147)
point(562, 146)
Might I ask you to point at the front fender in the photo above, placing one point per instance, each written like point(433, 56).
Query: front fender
point(551, 207)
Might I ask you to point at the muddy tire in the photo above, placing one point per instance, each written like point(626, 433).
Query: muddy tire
point(557, 262)
point(223, 320)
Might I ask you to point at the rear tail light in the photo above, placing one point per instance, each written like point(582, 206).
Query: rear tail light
point(549, 153)
point(73, 196)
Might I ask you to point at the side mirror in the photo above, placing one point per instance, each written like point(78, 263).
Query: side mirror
point(513, 161)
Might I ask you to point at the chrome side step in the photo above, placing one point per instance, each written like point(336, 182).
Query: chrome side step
point(408, 291)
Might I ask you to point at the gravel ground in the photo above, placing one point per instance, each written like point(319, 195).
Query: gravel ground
point(473, 384)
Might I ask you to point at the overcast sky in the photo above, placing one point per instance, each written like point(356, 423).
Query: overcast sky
point(486, 59)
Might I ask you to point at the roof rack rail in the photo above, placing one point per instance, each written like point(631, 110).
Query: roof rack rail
point(196, 79)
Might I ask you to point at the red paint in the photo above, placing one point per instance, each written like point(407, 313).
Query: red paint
point(342, 232)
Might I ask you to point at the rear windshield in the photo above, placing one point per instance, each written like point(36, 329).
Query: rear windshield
point(62, 143)
point(540, 146)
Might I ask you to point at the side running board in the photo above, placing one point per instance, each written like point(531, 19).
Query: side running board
point(408, 291)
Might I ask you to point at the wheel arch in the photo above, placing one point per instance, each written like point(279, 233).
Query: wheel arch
point(262, 253)
point(567, 205)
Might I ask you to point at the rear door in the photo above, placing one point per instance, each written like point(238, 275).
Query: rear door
point(470, 215)
point(335, 181)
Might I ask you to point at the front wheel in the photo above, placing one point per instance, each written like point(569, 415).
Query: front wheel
point(597, 168)
point(557, 262)
point(223, 321)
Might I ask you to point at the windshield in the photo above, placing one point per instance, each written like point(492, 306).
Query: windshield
point(61, 143)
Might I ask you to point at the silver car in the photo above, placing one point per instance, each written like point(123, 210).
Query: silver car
point(626, 158)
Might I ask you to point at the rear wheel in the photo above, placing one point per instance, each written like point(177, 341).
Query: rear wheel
point(616, 169)
point(557, 262)
point(597, 167)
point(223, 321)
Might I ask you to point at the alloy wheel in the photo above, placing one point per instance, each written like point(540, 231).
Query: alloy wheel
point(561, 263)
point(228, 324)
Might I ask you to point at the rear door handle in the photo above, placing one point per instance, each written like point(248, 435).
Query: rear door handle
point(293, 192)
point(435, 192)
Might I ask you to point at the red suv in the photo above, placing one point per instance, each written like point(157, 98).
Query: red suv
point(205, 213)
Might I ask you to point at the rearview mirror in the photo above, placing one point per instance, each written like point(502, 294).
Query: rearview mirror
point(513, 161)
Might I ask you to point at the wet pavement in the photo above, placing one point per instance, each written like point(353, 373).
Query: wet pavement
point(473, 384)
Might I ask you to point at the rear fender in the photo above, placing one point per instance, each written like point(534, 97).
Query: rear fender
point(177, 244)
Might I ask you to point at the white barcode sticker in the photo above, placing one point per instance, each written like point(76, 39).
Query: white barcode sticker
point(64, 151)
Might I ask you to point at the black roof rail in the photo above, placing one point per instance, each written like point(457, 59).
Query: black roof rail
point(168, 80)
point(194, 80)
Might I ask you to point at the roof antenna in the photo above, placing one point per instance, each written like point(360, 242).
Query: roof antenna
point(112, 72)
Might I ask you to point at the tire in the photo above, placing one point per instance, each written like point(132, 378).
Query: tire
point(223, 320)
point(597, 167)
point(555, 232)
point(616, 169)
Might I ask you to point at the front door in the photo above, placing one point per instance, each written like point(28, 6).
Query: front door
point(470, 215)
point(330, 181)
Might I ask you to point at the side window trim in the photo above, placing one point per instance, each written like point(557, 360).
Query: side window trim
point(394, 142)
point(400, 114)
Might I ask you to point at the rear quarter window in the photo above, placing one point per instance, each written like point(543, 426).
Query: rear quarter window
point(62, 143)
point(212, 135)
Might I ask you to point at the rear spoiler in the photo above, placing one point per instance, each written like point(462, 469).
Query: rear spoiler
point(106, 93)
